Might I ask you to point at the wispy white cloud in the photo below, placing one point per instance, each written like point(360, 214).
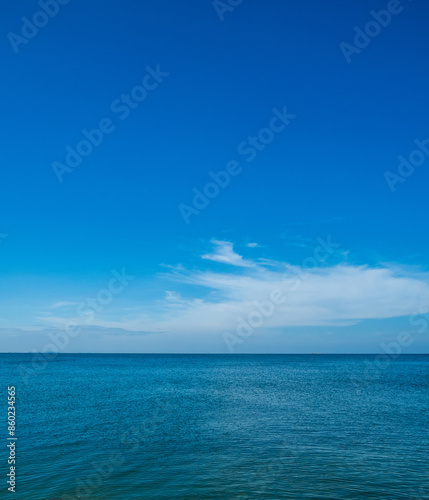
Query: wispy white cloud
point(171, 296)
point(63, 304)
point(224, 253)
point(336, 295)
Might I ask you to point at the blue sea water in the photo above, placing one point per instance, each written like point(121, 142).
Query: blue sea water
point(165, 427)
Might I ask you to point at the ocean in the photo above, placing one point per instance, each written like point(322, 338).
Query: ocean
point(142, 426)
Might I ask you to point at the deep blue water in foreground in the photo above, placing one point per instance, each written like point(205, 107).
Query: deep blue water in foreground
point(168, 427)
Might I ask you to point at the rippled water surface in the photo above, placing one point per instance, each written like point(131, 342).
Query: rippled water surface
point(167, 427)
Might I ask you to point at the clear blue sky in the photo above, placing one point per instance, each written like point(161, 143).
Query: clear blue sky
point(322, 175)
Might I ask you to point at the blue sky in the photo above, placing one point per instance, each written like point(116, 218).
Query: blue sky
point(206, 90)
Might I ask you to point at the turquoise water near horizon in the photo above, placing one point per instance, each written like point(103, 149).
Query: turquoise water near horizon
point(146, 426)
